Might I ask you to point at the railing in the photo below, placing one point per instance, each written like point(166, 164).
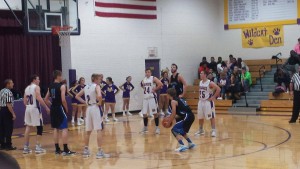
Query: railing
point(261, 72)
point(277, 59)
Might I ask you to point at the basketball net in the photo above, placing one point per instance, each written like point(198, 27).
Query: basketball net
point(63, 33)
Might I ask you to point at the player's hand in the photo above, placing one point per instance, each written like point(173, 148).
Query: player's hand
point(211, 99)
point(153, 91)
point(180, 96)
point(14, 116)
point(48, 110)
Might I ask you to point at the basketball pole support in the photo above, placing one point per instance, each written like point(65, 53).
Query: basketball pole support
point(13, 13)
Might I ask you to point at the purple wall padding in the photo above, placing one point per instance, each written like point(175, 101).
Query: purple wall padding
point(19, 109)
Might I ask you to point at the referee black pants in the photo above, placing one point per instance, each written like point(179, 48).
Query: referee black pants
point(6, 127)
point(296, 106)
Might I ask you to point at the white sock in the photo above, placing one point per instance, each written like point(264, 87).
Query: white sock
point(78, 119)
point(73, 118)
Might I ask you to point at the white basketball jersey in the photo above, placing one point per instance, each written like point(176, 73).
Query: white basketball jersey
point(148, 85)
point(31, 96)
point(204, 90)
point(90, 94)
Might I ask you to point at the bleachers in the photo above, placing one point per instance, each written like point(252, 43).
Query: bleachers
point(192, 98)
point(281, 105)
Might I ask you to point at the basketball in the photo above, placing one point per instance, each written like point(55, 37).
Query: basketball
point(165, 122)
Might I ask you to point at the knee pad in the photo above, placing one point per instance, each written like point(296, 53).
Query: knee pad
point(39, 130)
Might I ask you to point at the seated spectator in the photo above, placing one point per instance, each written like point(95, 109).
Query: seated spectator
point(237, 75)
point(202, 67)
point(225, 70)
point(229, 62)
point(282, 77)
point(241, 64)
point(213, 64)
point(213, 76)
point(234, 88)
point(222, 84)
point(246, 79)
point(292, 63)
point(203, 61)
point(219, 60)
point(278, 89)
point(233, 64)
point(221, 66)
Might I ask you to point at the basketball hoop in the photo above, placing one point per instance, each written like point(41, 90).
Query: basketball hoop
point(63, 33)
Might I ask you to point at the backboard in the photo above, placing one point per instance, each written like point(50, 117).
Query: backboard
point(42, 15)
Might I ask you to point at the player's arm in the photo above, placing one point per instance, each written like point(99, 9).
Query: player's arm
point(158, 84)
point(74, 89)
point(217, 90)
point(78, 97)
point(40, 99)
point(63, 97)
point(174, 104)
point(132, 87)
point(69, 93)
point(182, 80)
point(122, 87)
point(116, 90)
point(142, 84)
point(103, 90)
point(47, 101)
point(10, 106)
point(98, 94)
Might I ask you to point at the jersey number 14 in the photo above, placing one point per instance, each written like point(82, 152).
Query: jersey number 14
point(146, 90)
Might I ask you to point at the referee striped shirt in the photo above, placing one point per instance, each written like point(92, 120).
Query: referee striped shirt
point(296, 81)
point(6, 96)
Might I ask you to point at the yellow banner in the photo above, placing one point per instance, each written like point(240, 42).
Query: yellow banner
point(259, 37)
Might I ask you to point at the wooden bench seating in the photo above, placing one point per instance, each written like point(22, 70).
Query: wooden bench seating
point(282, 96)
point(276, 105)
point(219, 104)
point(255, 68)
point(262, 62)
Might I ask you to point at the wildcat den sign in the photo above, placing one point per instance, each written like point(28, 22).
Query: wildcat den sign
point(271, 36)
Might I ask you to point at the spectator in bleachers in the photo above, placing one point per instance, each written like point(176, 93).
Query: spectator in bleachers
point(229, 62)
point(203, 67)
point(297, 47)
point(278, 89)
point(222, 83)
point(233, 64)
point(219, 60)
point(246, 79)
point(213, 64)
point(237, 75)
point(234, 88)
point(213, 76)
point(241, 63)
point(226, 71)
point(221, 66)
point(203, 61)
point(292, 63)
point(281, 77)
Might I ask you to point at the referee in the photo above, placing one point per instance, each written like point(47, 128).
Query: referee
point(295, 89)
point(7, 115)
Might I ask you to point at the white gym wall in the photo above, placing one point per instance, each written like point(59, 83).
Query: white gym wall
point(183, 33)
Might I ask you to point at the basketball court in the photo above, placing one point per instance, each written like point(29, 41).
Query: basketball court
point(243, 142)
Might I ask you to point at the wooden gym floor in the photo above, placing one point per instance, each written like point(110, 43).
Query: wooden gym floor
point(252, 142)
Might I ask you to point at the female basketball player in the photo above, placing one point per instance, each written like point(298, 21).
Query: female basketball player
point(127, 87)
point(72, 93)
point(109, 91)
point(163, 99)
point(81, 107)
point(185, 119)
